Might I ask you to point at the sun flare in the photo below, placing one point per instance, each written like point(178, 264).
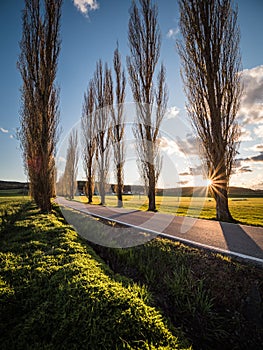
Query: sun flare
point(209, 182)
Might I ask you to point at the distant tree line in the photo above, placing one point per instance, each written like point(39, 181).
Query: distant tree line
point(67, 182)
point(211, 64)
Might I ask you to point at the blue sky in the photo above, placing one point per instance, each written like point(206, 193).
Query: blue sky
point(89, 31)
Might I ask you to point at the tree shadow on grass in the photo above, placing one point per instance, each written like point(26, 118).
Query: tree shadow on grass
point(104, 232)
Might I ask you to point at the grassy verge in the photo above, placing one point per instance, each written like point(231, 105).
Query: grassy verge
point(245, 210)
point(216, 301)
point(56, 293)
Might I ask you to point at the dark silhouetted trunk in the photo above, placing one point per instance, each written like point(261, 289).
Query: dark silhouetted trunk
point(222, 209)
point(119, 185)
point(151, 189)
point(90, 184)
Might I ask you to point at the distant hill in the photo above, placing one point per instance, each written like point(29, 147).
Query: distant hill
point(200, 192)
point(13, 185)
point(244, 192)
point(178, 191)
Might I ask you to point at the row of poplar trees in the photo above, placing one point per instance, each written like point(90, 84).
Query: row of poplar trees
point(211, 65)
point(103, 117)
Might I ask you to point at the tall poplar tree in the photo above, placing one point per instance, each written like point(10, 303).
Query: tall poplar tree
point(37, 63)
point(117, 112)
point(102, 82)
point(145, 42)
point(211, 62)
point(89, 136)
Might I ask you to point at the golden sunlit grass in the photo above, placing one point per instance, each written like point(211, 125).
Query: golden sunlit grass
point(246, 210)
point(56, 293)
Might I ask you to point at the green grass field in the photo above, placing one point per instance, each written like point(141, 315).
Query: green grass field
point(245, 210)
point(13, 192)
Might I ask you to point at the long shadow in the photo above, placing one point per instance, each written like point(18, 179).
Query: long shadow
point(111, 212)
point(102, 233)
point(239, 241)
point(123, 214)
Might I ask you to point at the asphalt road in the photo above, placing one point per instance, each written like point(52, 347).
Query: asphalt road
point(241, 241)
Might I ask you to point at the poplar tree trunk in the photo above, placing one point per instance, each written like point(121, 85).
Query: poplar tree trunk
point(119, 185)
point(90, 184)
point(222, 209)
point(151, 188)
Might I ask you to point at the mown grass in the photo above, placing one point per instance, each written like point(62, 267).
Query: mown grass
point(13, 192)
point(245, 210)
point(56, 293)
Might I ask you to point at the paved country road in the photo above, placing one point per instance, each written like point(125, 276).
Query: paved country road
point(242, 241)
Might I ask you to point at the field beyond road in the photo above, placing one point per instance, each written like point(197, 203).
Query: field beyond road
point(247, 211)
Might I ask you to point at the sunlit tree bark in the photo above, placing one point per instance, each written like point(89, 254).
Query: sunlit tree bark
point(211, 64)
point(145, 42)
point(40, 46)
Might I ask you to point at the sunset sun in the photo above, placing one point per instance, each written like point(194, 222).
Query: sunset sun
point(209, 182)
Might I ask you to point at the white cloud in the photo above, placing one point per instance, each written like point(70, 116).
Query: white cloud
point(251, 107)
point(84, 6)
point(248, 172)
point(181, 147)
point(172, 33)
point(259, 131)
point(4, 130)
point(62, 159)
point(172, 112)
point(255, 148)
point(189, 146)
point(169, 146)
point(245, 135)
